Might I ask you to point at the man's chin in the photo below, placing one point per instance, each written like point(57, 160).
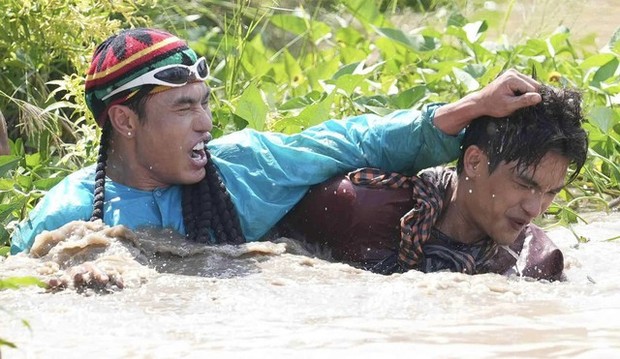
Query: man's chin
point(192, 178)
point(506, 240)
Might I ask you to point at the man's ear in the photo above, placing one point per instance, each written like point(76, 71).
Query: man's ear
point(124, 120)
point(475, 162)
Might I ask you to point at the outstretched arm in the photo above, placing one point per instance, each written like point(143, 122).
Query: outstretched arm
point(507, 93)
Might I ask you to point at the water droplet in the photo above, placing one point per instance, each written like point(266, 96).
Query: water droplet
point(150, 167)
point(466, 178)
point(471, 191)
point(325, 209)
point(493, 195)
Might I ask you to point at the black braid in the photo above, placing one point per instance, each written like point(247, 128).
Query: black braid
point(207, 206)
point(100, 173)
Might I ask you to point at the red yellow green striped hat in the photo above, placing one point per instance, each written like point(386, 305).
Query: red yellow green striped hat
point(125, 56)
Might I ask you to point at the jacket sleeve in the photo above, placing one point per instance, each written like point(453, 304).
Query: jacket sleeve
point(405, 141)
point(268, 173)
point(62, 204)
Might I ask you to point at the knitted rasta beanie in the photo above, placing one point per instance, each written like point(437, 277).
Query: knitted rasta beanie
point(125, 56)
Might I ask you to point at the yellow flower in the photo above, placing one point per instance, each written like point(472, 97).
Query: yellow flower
point(554, 76)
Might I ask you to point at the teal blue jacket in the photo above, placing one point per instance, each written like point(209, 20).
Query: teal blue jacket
point(266, 173)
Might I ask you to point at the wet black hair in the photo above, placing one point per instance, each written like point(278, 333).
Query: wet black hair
point(526, 136)
point(209, 215)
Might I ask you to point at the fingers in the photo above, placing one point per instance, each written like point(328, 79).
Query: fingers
point(85, 276)
point(89, 275)
point(519, 83)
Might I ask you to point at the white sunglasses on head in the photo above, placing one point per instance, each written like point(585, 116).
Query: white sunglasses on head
point(170, 75)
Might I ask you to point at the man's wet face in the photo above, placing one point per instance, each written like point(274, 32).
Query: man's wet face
point(171, 139)
point(502, 203)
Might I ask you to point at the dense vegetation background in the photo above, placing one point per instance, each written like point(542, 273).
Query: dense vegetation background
point(286, 65)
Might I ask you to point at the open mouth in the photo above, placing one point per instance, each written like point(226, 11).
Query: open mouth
point(198, 153)
point(516, 223)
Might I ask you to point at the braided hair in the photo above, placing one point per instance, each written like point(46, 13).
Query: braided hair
point(207, 207)
point(102, 159)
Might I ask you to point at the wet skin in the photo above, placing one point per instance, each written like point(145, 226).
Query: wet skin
point(166, 146)
point(501, 204)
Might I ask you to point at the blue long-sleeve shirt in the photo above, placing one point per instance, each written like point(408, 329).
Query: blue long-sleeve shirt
point(265, 173)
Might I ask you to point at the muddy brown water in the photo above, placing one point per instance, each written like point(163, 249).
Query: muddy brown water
point(262, 300)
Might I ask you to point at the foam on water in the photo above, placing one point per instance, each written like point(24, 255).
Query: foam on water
point(262, 300)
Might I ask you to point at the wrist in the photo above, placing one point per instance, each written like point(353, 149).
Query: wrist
point(454, 117)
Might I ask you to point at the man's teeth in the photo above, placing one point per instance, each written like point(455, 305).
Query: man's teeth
point(199, 146)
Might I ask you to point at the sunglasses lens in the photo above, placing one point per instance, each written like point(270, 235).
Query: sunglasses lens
point(202, 68)
point(174, 75)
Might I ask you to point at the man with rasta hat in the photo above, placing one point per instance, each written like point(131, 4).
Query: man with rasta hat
point(159, 167)
point(474, 218)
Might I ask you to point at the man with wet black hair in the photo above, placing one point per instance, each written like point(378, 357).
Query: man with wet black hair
point(472, 219)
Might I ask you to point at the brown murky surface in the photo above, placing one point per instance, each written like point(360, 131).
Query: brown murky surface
point(261, 300)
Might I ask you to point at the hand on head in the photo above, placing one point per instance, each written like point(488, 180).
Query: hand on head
point(509, 92)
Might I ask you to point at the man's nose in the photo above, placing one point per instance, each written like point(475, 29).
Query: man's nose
point(204, 120)
point(533, 204)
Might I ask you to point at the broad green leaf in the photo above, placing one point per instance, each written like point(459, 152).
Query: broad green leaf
point(466, 79)
point(348, 83)
point(25, 182)
point(457, 20)
point(33, 160)
point(293, 70)
point(295, 24)
point(19, 282)
point(346, 70)
point(378, 110)
point(557, 41)
point(596, 60)
point(365, 11)
point(46, 184)
point(604, 118)
point(614, 41)
point(252, 108)
point(301, 24)
point(409, 97)
point(415, 42)
point(317, 112)
point(348, 36)
point(255, 61)
point(8, 163)
point(301, 102)
point(6, 184)
point(606, 71)
point(7, 208)
point(475, 29)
